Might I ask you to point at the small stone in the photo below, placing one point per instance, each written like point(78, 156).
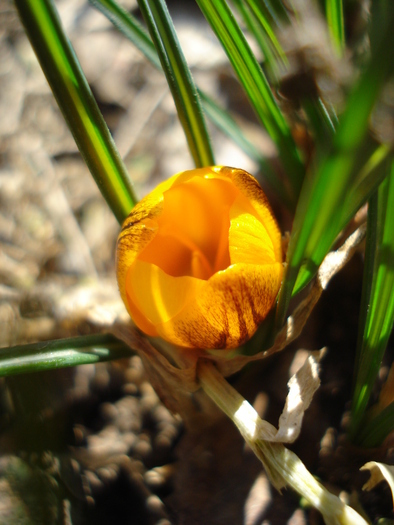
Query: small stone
point(298, 518)
point(156, 506)
point(162, 415)
point(94, 481)
point(107, 474)
point(158, 477)
point(143, 448)
point(108, 411)
point(79, 435)
point(130, 389)
point(130, 439)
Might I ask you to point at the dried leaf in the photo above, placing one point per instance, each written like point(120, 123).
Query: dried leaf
point(379, 472)
point(302, 387)
point(173, 385)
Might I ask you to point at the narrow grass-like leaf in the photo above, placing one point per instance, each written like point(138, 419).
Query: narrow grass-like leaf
point(334, 14)
point(256, 86)
point(260, 37)
point(267, 25)
point(75, 99)
point(61, 353)
point(377, 307)
point(375, 430)
point(368, 179)
point(231, 128)
point(335, 178)
point(369, 266)
point(274, 11)
point(133, 30)
point(320, 210)
point(320, 122)
point(179, 79)
point(130, 27)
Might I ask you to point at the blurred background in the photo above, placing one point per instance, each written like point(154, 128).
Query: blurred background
point(93, 445)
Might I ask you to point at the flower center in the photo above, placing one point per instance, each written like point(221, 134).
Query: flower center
point(193, 229)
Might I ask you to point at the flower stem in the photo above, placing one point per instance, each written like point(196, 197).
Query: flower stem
point(282, 466)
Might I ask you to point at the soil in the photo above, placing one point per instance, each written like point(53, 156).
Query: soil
point(93, 445)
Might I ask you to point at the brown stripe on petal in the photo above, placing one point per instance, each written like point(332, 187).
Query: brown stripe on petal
point(141, 213)
point(135, 237)
point(127, 225)
point(200, 334)
point(262, 300)
point(222, 336)
point(197, 327)
point(221, 342)
point(256, 316)
point(131, 242)
point(222, 317)
point(239, 309)
point(249, 186)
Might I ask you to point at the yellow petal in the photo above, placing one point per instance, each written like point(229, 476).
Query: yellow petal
point(156, 295)
point(251, 189)
point(138, 230)
point(193, 224)
point(141, 226)
point(133, 238)
point(249, 240)
point(227, 309)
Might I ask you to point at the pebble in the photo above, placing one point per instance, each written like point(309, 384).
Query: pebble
point(143, 448)
point(102, 377)
point(298, 518)
point(130, 389)
point(163, 441)
point(162, 415)
point(108, 474)
point(94, 481)
point(79, 435)
point(149, 399)
point(107, 443)
point(130, 439)
point(156, 506)
point(159, 477)
point(328, 442)
point(108, 411)
point(135, 373)
point(128, 414)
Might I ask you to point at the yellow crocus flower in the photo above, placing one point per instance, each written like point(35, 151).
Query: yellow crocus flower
point(199, 259)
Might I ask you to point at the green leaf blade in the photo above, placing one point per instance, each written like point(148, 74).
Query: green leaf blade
point(256, 86)
point(267, 24)
point(334, 13)
point(75, 100)
point(377, 309)
point(179, 79)
point(375, 429)
point(369, 178)
point(130, 27)
point(61, 353)
point(320, 211)
point(262, 41)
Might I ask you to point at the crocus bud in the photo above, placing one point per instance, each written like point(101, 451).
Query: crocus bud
point(199, 259)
